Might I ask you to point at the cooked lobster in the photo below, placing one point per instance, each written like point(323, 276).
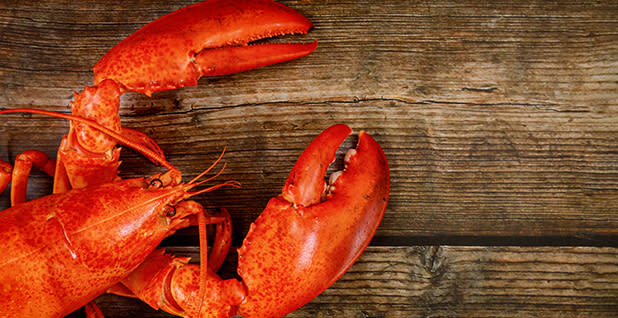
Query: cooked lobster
point(99, 234)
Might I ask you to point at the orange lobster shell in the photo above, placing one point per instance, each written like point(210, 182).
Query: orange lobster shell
point(98, 233)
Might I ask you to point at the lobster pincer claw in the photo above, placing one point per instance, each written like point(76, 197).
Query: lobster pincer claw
point(308, 236)
point(206, 39)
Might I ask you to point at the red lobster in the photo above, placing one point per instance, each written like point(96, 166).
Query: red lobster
point(65, 249)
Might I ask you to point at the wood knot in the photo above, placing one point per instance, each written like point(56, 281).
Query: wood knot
point(432, 262)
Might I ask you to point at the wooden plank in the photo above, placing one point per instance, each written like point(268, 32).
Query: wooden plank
point(467, 281)
point(562, 55)
point(499, 122)
point(461, 171)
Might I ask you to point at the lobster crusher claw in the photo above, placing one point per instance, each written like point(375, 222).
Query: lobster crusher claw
point(309, 236)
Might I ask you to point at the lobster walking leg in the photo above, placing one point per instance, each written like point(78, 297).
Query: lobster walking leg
point(6, 170)
point(162, 279)
point(18, 175)
point(21, 171)
point(93, 311)
point(170, 283)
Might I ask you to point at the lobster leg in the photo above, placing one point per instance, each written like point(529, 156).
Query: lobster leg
point(93, 311)
point(6, 170)
point(171, 284)
point(87, 156)
point(222, 242)
point(21, 171)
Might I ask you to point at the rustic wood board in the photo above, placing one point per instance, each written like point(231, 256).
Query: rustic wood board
point(500, 123)
point(457, 281)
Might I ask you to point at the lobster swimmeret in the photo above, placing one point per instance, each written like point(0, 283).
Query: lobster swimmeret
point(96, 235)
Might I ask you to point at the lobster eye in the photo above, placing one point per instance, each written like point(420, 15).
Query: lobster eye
point(170, 211)
point(156, 183)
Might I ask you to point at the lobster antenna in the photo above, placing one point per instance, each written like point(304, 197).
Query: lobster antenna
point(203, 261)
point(210, 168)
point(230, 183)
point(118, 137)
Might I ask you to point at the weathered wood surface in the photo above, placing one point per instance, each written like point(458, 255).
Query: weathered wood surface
point(463, 281)
point(499, 120)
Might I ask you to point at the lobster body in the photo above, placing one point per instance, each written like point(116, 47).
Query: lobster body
point(61, 251)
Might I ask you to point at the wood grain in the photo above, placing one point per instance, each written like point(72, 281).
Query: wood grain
point(486, 134)
point(499, 121)
point(450, 281)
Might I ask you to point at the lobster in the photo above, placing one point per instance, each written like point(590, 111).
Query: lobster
point(98, 233)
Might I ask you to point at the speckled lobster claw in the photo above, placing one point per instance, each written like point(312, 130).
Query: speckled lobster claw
point(206, 39)
point(309, 236)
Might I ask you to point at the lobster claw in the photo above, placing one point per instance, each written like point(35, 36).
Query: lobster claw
point(308, 236)
point(206, 39)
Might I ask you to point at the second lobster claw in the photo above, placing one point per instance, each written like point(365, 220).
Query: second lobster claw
point(309, 236)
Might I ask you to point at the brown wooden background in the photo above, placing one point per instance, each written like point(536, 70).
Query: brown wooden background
point(499, 120)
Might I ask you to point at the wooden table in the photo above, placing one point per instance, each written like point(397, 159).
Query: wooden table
point(499, 121)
